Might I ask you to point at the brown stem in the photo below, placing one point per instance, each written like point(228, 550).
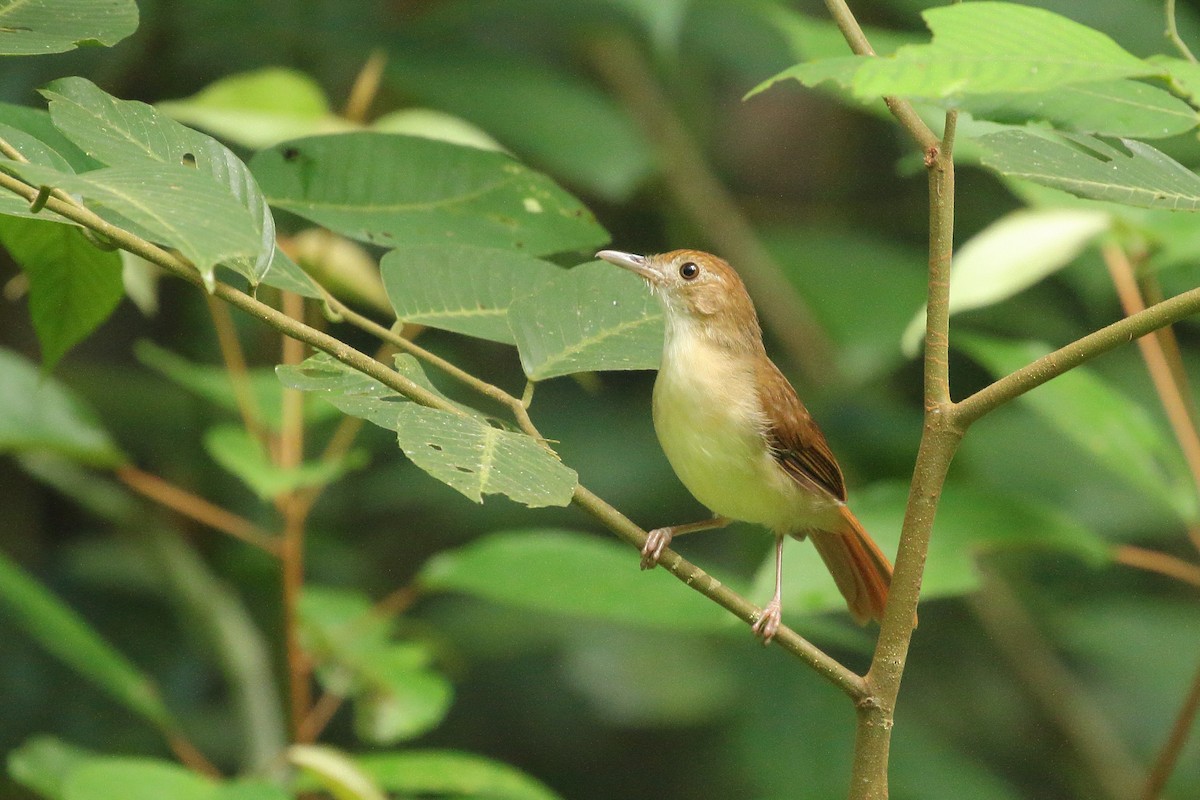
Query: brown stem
point(235, 367)
point(700, 193)
point(1168, 757)
point(194, 507)
point(189, 755)
point(1152, 561)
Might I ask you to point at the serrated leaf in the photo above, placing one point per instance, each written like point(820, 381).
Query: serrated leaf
point(171, 205)
point(1010, 255)
point(387, 189)
point(1109, 427)
point(73, 285)
point(128, 133)
point(450, 773)
point(66, 636)
point(1137, 175)
point(335, 772)
point(1112, 108)
point(243, 455)
point(41, 414)
point(461, 288)
point(35, 27)
point(477, 459)
point(593, 317)
point(564, 572)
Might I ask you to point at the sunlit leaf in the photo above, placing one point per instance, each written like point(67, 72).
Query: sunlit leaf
point(390, 189)
point(336, 772)
point(65, 635)
point(243, 455)
point(40, 414)
point(73, 285)
point(593, 317)
point(563, 572)
point(1010, 255)
point(1137, 175)
point(450, 773)
point(1109, 427)
point(33, 27)
point(461, 288)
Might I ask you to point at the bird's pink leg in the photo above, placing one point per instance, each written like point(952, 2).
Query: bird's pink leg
point(768, 621)
point(660, 538)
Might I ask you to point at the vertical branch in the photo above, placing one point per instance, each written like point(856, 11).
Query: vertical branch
point(235, 366)
point(294, 511)
point(1168, 757)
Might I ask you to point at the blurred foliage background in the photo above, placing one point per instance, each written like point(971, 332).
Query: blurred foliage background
point(1043, 668)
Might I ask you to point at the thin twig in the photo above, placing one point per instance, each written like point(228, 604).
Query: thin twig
point(365, 88)
point(1172, 34)
point(1152, 561)
point(1168, 757)
point(700, 193)
point(189, 755)
point(197, 508)
point(235, 368)
point(1164, 378)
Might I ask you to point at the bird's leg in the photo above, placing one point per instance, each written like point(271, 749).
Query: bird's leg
point(659, 538)
point(768, 621)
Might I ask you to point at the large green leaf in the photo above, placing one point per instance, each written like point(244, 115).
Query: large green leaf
point(450, 773)
point(462, 450)
point(38, 152)
point(390, 189)
point(461, 288)
point(172, 205)
point(40, 414)
point(73, 285)
point(1012, 254)
point(566, 126)
point(1109, 427)
point(128, 133)
point(1137, 175)
point(593, 317)
point(33, 27)
point(397, 695)
point(564, 572)
point(982, 48)
point(67, 637)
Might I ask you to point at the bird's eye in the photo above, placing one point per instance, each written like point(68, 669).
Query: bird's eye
point(688, 270)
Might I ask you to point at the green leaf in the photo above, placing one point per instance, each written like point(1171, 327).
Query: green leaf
point(446, 772)
point(389, 189)
point(213, 384)
point(568, 127)
point(593, 317)
point(135, 779)
point(465, 452)
point(73, 285)
point(260, 108)
point(564, 572)
point(1106, 425)
point(66, 636)
point(335, 772)
point(396, 694)
point(36, 124)
point(1113, 108)
point(127, 133)
point(40, 414)
point(171, 205)
point(477, 459)
point(243, 456)
point(1137, 175)
point(461, 288)
point(35, 27)
point(42, 764)
point(38, 152)
point(1010, 255)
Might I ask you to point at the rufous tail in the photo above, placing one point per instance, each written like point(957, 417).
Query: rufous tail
point(860, 569)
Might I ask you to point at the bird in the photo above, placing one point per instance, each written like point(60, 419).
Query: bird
point(739, 438)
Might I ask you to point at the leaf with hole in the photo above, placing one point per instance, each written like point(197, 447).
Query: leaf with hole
point(35, 27)
point(461, 288)
point(593, 317)
point(389, 189)
point(1133, 173)
point(571, 573)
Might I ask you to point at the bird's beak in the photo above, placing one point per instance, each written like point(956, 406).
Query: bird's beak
point(631, 262)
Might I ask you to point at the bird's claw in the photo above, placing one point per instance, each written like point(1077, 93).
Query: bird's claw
point(768, 622)
point(656, 541)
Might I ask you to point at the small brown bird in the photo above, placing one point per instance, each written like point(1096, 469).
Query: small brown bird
point(739, 438)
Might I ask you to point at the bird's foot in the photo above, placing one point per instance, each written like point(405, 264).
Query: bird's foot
point(768, 622)
point(656, 541)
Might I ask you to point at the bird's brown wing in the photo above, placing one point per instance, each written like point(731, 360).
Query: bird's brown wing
point(795, 440)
